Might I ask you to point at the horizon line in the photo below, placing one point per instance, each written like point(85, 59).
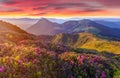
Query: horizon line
point(61, 17)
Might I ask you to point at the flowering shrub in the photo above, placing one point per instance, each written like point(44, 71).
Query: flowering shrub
point(87, 66)
point(31, 61)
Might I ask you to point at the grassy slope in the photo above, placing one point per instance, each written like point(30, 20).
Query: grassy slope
point(12, 33)
point(88, 41)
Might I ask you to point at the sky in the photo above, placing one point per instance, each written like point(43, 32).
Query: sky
point(59, 8)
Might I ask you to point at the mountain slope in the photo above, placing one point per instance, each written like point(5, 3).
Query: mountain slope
point(10, 32)
point(88, 41)
point(109, 23)
point(44, 27)
point(86, 25)
point(5, 26)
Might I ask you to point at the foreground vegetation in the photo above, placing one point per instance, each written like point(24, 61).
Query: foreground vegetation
point(34, 59)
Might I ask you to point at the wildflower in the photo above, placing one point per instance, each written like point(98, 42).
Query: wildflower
point(84, 70)
point(36, 49)
point(80, 59)
point(96, 77)
point(72, 62)
point(103, 75)
point(39, 51)
point(19, 61)
point(23, 41)
point(71, 77)
point(35, 61)
point(2, 69)
point(26, 60)
point(97, 71)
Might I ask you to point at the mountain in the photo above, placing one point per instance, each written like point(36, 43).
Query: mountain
point(60, 21)
point(12, 33)
point(25, 23)
point(44, 27)
point(87, 41)
point(111, 24)
point(86, 25)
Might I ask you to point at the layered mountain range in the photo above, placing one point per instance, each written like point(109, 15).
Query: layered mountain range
point(76, 34)
point(46, 27)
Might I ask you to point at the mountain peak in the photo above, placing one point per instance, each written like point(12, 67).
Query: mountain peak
point(43, 20)
point(86, 21)
point(43, 27)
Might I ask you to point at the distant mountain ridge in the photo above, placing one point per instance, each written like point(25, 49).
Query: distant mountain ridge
point(25, 23)
point(46, 27)
point(109, 23)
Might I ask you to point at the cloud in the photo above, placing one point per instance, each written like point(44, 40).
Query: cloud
point(10, 10)
point(37, 14)
point(92, 10)
point(14, 10)
point(9, 2)
point(40, 8)
point(47, 7)
point(64, 6)
point(110, 3)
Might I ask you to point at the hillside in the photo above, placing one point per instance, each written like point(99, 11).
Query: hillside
point(5, 26)
point(88, 41)
point(12, 33)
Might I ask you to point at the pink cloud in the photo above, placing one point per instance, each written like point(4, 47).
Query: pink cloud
point(43, 7)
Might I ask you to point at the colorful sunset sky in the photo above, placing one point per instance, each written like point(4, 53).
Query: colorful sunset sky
point(59, 8)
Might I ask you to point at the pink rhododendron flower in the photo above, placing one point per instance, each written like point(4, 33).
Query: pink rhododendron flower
point(2, 69)
point(19, 61)
point(103, 75)
point(80, 59)
point(35, 61)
